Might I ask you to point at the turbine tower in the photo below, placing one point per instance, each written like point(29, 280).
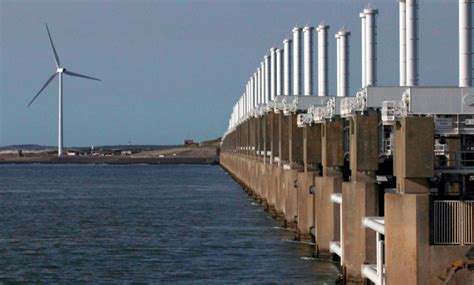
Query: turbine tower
point(59, 71)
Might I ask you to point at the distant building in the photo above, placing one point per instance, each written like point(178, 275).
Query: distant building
point(187, 142)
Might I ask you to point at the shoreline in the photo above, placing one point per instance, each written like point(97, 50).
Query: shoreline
point(110, 160)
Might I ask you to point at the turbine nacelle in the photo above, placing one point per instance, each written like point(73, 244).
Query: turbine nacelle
point(60, 70)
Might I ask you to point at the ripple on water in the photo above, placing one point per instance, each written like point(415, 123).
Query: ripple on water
point(142, 223)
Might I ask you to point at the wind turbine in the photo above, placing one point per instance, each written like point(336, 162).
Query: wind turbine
point(59, 71)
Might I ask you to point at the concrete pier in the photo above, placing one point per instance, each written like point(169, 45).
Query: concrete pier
point(332, 160)
point(295, 170)
point(382, 181)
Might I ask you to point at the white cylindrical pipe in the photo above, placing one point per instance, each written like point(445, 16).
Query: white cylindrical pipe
point(338, 66)
point(248, 99)
point(465, 46)
point(286, 67)
point(296, 61)
point(272, 73)
point(363, 48)
point(322, 60)
point(267, 78)
point(251, 93)
point(279, 72)
point(239, 108)
point(247, 90)
point(254, 97)
point(254, 92)
point(343, 63)
point(262, 83)
point(259, 99)
point(308, 60)
point(403, 43)
point(412, 42)
point(371, 46)
point(245, 103)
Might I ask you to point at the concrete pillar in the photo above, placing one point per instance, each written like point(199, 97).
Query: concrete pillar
point(305, 199)
point(258, 137)
point(407, 211)
point(266, 138)
point(284, 139)
point(253, 135)
point(312, 147)
point(295, 143)
point(274, 133)
point(360, 196)
point(332, 160)
point(248, 124)
point(413, 154)
point(407, 231)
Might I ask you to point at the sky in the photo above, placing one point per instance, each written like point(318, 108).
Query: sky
point(174, 69)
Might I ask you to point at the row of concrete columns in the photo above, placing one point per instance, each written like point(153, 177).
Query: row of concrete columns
point(295, 170)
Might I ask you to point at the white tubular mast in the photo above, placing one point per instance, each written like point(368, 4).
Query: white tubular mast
point(412, 42)
point(322, 59)
point(272, 73)
point(371, 46)
point(465, 46)
point(279, 72)
point(308, 60)
point(296, 61)
point(286, 67)
point(403, 43)
point(343, 62)
point(262, 82)
point(363, 48)
point(254, 92)
point(267, 78)
point(257, 87)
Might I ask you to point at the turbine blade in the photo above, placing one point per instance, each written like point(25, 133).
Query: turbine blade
point(80, 75)
point(56, 58)
point(42, 88)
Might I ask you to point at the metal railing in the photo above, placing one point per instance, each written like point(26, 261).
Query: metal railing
point(387, 146)
point(393, 111)
point(453, 222)
point(350, 105)
point(454, 124)
point(336, 246)
point(376, 272)
point(453, 160)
